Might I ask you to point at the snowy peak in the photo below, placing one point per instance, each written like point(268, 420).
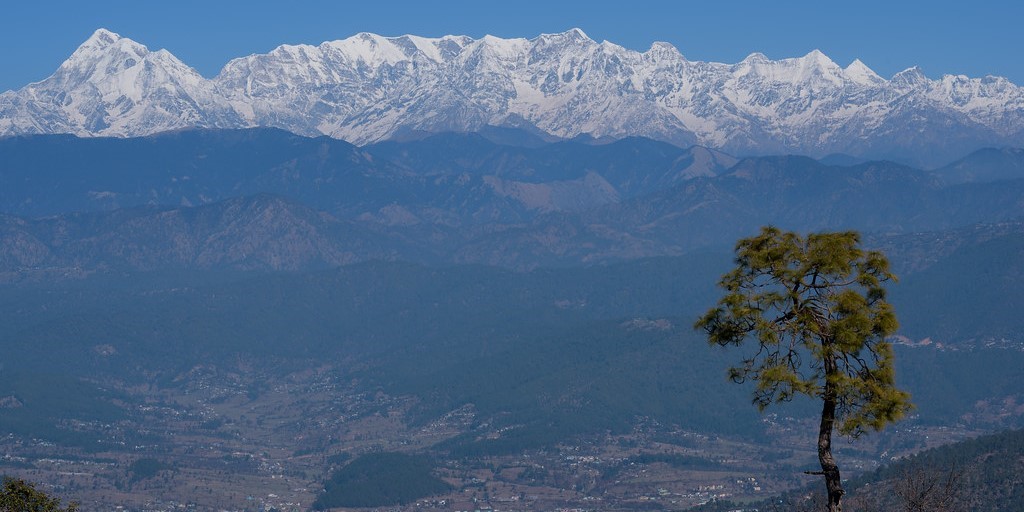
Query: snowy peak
point(369, 87)
point(111, 62)
point(663, 50)
point(909, 78)
point(817, 63)
point(101, 38)
point(374, 50)
point(112, 85)
point(108, 48)
point(437, 50)
point(565, 43)
point(370, 48)
point(861, 74)
point(811, 68)
point(815, 58)
point(756, 58)
point(494, 48)
point(573, 36)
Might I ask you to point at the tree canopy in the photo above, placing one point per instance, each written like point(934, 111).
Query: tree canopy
point(21, 496)
point(814, 309)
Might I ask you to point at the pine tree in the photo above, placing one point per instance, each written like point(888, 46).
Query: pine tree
point(814, 310)
point(21, 496)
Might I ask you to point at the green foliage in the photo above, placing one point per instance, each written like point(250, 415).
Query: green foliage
point(338, 459)
point(381, 479)
point(974, 292)
point(21, 496)
point(981, 474)
point(146, 468)
point(815, 306)
point(46, 399)
point(584, 378)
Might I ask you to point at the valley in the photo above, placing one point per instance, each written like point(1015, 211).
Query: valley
point(231, 319)
point(534, 401)
point(238, 439)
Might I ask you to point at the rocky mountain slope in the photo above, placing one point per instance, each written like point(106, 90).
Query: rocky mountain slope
point(369, 88)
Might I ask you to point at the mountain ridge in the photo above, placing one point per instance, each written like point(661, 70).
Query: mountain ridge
point(449, 198)
point(368, 88)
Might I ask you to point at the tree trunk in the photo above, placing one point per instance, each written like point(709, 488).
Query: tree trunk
point(829, 469)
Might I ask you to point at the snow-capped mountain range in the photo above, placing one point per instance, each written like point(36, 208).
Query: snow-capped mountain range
point(368, 88)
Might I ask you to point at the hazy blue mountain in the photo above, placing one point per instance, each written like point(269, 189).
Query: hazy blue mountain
point(445, 179)
point(841, 159)
point(792, 192)
point(249, 233)
point(985, 165)
point(453, 197)
point(978, 286)
point(632, 167)
point(46, 175)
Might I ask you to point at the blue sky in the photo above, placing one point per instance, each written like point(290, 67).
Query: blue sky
point(973, 38)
